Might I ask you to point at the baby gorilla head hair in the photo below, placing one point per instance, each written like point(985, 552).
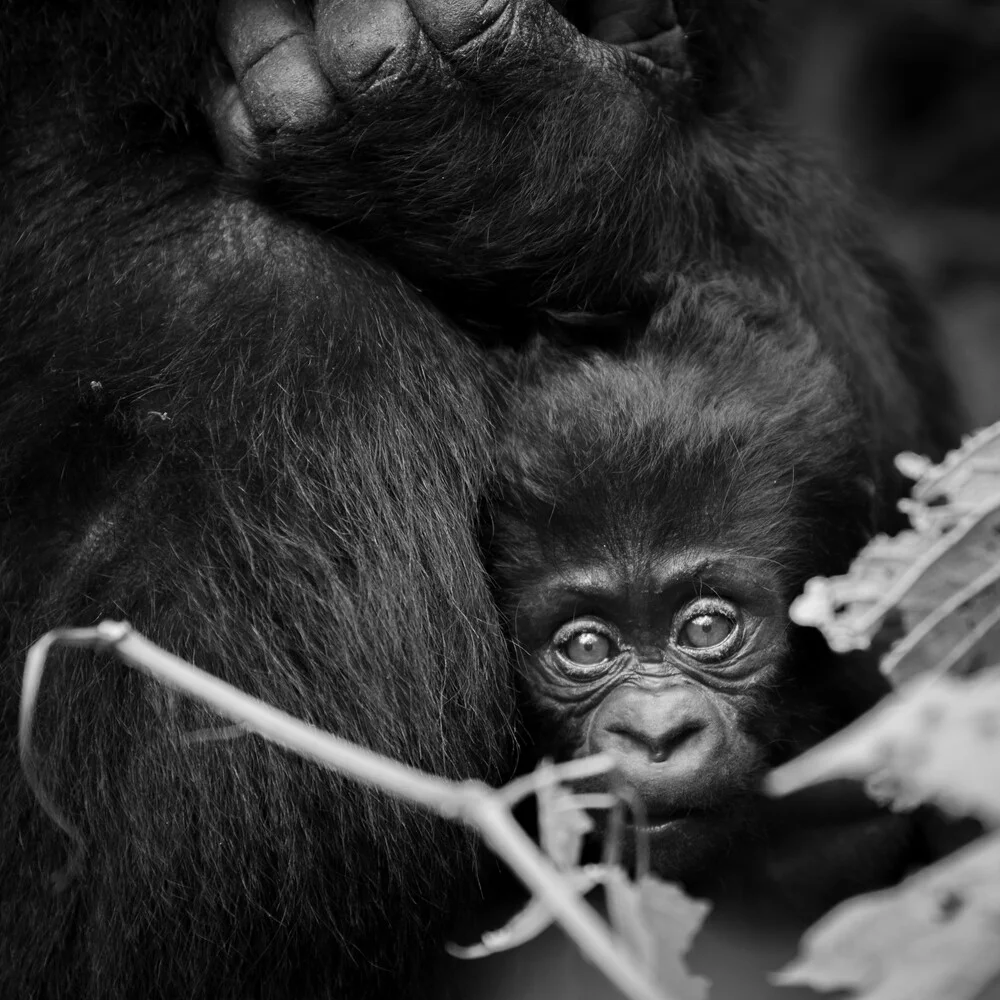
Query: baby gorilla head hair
point(656, 514)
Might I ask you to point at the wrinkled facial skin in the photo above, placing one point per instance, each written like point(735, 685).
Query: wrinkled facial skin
point(667, 667)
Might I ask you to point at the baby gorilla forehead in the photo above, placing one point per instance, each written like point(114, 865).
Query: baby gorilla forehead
point(678, 450)
point(612, 460)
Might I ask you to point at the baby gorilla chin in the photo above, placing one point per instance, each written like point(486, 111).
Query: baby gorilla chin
point(689, 848)
point(683, 841)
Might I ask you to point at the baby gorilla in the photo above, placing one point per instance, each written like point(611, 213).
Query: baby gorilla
point(657, 513)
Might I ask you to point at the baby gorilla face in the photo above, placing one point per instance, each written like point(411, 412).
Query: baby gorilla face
point(656, 515)
point(669, 667)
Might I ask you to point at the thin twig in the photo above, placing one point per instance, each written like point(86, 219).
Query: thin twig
point(472, 802)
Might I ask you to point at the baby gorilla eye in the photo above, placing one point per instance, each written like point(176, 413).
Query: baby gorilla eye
point(587, 648)
point(704, 630)
point(709, 627)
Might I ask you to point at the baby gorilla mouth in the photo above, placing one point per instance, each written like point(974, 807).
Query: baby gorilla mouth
point(647, 28)
point(680, 845)
point(661, 822)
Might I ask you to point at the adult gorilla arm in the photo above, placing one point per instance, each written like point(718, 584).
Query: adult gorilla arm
point(511, 166)
point(486, 149)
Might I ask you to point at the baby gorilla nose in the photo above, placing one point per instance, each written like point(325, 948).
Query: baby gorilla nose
point(663, 740)
point(657, 742)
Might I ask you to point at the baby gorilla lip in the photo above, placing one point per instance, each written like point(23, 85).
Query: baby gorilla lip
point(662, 822)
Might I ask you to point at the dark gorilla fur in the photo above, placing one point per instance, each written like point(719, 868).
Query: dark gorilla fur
point(730, 418)
point(260, 444)
point(271, 509)
point(275, 483)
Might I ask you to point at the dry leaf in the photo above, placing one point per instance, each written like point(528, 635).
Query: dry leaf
point(528, 922)
point(935, 937)
point(939, 581)
point(562, 824)
point(658, 923)
point(966, 478)
point(937, 739)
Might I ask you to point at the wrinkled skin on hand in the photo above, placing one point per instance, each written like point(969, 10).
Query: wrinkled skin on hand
point(293, 68)
point(520, 164)
point(464, 142)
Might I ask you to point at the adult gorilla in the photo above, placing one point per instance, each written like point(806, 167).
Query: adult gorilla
point(265, 447)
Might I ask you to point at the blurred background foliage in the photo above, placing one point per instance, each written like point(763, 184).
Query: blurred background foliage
point(907, 94)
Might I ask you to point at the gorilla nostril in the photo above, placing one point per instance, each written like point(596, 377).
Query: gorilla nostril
point(655, 743)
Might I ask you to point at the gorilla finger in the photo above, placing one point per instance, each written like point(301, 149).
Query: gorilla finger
point(512, 29)
point(271, 47)
point(452, 24)
point(365, 45)
point(230, 121)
